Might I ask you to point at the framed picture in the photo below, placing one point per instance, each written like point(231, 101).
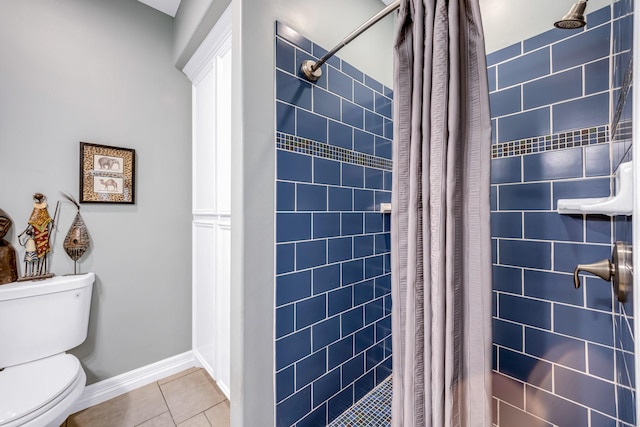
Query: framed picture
point(107, 174)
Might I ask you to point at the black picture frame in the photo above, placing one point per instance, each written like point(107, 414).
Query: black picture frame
point(107, 174)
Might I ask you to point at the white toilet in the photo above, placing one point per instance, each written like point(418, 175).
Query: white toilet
point(39, 321)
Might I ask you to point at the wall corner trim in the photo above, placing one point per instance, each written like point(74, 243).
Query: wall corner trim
point(218, 39)
point(128, 381)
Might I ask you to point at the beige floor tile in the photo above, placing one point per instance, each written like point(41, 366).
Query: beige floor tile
point(212, 381)
point(198, 421)
point(162, 420)
point(127, 410)
point(190, 395)
point(178, 375)
point(219, 415)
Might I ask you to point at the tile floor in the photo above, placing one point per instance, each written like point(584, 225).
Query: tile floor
point(373, 410)
point(187, 399)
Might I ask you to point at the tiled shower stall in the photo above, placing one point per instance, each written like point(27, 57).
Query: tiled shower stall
point(561, 115)
point(562, 356)
point(333, 284)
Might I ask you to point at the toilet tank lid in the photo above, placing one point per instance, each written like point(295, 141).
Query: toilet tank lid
point(39, 287)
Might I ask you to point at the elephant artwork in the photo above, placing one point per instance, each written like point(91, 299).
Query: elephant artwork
point(109, 163)
point(8, 263)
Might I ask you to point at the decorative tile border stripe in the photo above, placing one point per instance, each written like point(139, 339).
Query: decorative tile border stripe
point(558, 141)
point(296, 144)
point(373, 410)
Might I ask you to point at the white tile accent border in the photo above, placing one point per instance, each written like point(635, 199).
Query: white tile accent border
point(113, 387)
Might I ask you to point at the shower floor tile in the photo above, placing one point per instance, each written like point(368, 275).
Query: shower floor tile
point(373, 410)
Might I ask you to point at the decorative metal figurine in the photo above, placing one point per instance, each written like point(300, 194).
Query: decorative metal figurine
point(37, 243)
point(30, 254)
point(77, 240)
point(8, 265)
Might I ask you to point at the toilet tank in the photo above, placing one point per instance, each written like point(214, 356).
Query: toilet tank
point(44, 317)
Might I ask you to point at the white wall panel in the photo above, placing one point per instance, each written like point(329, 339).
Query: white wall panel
point(222, 306)
point(210, 73)
point(223, 132)
point(204, 153)
point(204, 275)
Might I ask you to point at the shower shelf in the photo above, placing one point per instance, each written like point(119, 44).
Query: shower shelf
point(619, 204)
point(385, 208)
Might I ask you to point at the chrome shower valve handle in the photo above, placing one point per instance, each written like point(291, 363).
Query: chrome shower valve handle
point(619, 270)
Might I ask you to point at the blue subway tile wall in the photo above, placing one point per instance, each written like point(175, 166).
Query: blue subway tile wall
point(333, 305)
point(562, 356)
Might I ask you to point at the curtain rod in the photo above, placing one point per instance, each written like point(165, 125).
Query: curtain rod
point(312, 71)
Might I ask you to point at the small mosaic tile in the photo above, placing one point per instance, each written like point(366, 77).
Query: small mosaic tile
point(557, 141)
point(306, 146)
point(373, 410)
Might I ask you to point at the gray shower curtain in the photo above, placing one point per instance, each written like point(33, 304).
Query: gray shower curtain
point(440, 237)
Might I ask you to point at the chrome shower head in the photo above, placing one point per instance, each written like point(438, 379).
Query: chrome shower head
point(575, 18)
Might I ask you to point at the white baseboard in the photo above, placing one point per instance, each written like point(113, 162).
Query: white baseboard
point(224, 388)
point(124, 383)
point(201, 362)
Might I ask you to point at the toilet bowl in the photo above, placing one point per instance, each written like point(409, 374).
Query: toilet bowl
point(39, 320)
point(40, 393)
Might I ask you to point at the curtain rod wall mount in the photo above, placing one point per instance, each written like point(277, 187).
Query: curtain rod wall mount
point(312, 71)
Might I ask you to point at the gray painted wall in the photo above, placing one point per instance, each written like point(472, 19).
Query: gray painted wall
point(253, 158)
point(102, 72)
